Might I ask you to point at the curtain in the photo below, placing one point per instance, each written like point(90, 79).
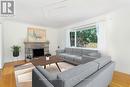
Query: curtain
point(102, 39)
point(68, 38)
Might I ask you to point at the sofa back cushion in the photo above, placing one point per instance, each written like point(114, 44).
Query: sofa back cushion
point(76, 51)
point(73, 76)
point(102, 61)
point(69, 50)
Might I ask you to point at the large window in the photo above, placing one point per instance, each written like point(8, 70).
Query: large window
point(84, 37)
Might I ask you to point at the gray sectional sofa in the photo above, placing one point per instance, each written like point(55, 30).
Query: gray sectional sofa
point(97, 73)
point(78, 55)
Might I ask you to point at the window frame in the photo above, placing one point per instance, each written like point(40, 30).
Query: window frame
point(80, 29)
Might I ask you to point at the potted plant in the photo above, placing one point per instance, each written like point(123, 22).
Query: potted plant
point(16, 50)
point(48, 54)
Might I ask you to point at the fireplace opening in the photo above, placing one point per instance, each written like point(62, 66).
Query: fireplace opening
point(38, 52)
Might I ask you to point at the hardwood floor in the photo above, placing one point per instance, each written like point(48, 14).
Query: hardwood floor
point(120, 80)
point(7, 75)
point(7, 78)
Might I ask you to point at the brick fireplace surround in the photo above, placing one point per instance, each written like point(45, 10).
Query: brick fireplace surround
point(29, 46)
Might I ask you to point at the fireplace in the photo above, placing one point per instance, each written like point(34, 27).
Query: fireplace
point(36, 49)
point(38, 52)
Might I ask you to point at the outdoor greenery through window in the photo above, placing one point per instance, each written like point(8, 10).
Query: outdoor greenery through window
point(84, 37)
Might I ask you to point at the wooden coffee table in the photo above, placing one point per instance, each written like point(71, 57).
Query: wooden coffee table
point(43, 62)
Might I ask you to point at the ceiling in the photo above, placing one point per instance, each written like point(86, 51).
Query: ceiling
point(61, 13)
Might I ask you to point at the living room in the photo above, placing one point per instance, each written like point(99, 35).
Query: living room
point(62, 25)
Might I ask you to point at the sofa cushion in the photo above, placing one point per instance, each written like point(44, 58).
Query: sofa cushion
point(101, 78)
point(47, 74)
point(73, 76)
point(77, 59)
point(38, 80)
point(68, 58)
point(94, 54)
point(63, 54)
point(68, 50)
point(74, 56)
point(102, 61)
point(86, 59)
point(86, 52)
point(77, 51)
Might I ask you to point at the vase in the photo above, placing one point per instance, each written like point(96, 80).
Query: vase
point(47, 58)
point(15, 53)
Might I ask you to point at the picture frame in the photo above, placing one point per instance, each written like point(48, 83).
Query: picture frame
point(36, 35)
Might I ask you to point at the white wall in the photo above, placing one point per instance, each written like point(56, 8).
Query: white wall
point(62, 39)
point(116, 31)
point(0, 46)
point(15, 34)
point(118, 38)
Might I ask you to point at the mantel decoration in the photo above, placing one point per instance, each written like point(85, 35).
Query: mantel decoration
point(15, 50)
point(36, 35)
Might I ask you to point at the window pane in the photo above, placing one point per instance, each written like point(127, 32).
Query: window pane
point(72, 38)
point(79, 42)
point(86, 38)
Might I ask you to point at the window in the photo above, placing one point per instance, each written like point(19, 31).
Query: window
point(84, 37)
point(72, 38)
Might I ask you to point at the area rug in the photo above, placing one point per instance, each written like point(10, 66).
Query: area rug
point(23, 73)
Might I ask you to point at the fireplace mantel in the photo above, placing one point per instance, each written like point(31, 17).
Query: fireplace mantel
point(29, 46)
point(36, 42)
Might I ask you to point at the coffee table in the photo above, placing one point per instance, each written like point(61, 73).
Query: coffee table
point(43, 62)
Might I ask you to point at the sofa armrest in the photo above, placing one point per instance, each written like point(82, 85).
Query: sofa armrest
point(74, 76)
point(38, 80)
point(49, 76)
point(60, 51)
